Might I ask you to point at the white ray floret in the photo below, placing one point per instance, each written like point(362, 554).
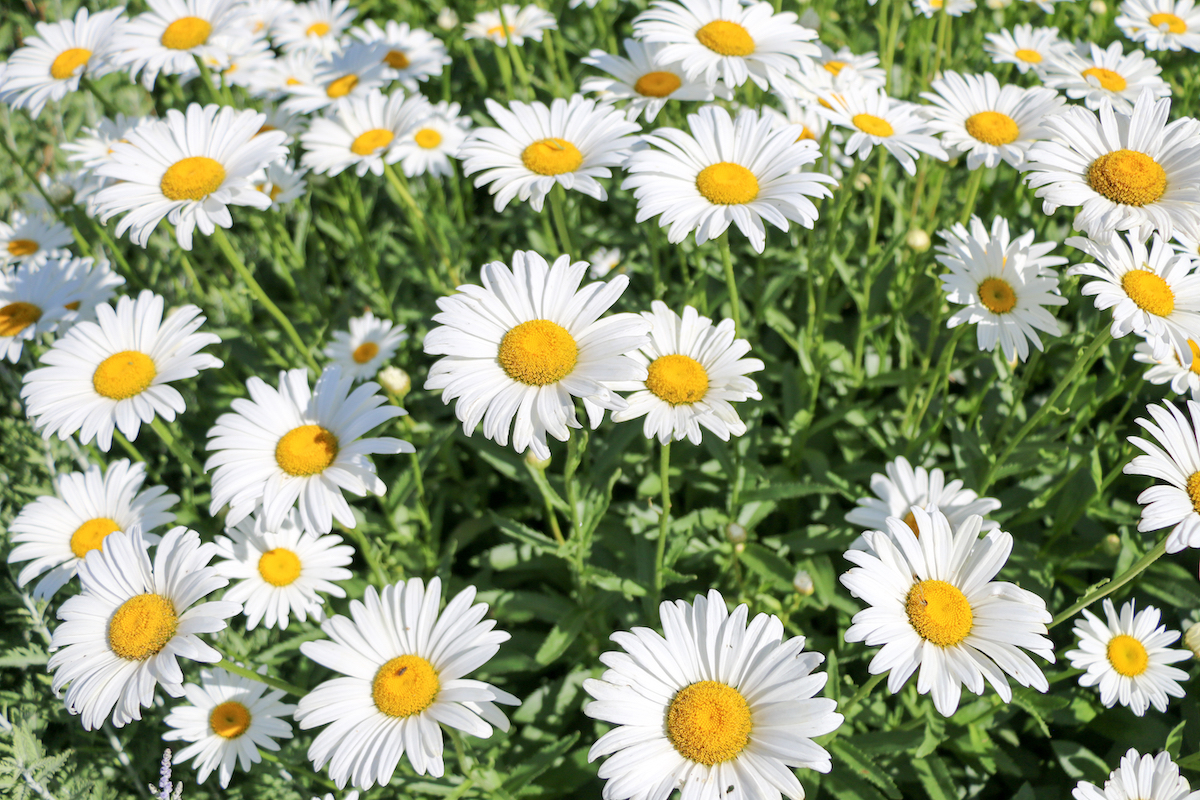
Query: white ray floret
point(1161, 24)
point(317, 26)
point(352, 73)
point(366, 347)
point(1027, 47)
point(645, 80)
point(1142, 777)
point(34, 300)
point(1174, 457)
point(429, 146)
point(363, 132)
point(167, 39)
point(905, 486)
point(1094, 74)
point(31, 238)
point(875, 119)
point(411, 55)
point(518, 23)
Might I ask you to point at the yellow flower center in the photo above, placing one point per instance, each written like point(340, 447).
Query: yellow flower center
point(1174, 24)
point(1193, 482)
point(306, 450)
point(266, 128)
point(396, 59)
point(186, 33)
point(22, 247)
point(124, 375)
point(427, 138)
point(939, 612)
point(1127, 655)
point(997, 295)
point(1149, 292)
point(88, 536)
point(66, 62)
point(551, 156)
point(727, 184)
point(538, 352)
point(500, 30)
point(291, 82)
point(708, 722)
point(1029, 56)
point(1109, 80)
point(16, 317)
point(279, 567)
point(405, 686)
point(317, 29)
point(806, 133)
point(992, 127)
point(1128, 177)
point(910, 519)
point(367, 143)
point(1195, 368)
point(657, 84)
point(342, 86)
point(678, 379)
point(873, 125)
point(193, 178)
point(365, 352)
point(73, 305)
point(142, 626)
point(229, 720)
point(725, 37)
point(835, 67)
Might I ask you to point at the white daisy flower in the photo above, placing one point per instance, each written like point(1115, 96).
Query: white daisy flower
point(295, 444)
point(645, 80)
point(740, 171)
point(317, 26)
point(244, 66)
point(116, 372)
point(877, 119)
point(726, 40)
point(263, 15)
point(814, 127)
point(296, 68)
point(695, 371)
point(1176, 460)
point(571, 143)
point(281, 182)
point(519, 23)
point(526, 344)
point(1183, 379)
point(1027, 47)
point(34, 299)
point(713, 707)
point(1161, 24)
point(64, 189)
point(815, 80)
point(188, 168)
point(278, 573)
point(1093, 74)
point(989, 123)
point(1140, 778)
point(961, 243)
point(1136, 173)
point(97, 284)
point(404, 666)
point(934, 605)
point(229, 718)
point(1128, 658)
point(955, 8)
point(50, 65)
point(363, 132)
point(167, 39)
point(94, 145)
point(363, 350)
point(604, 260)
point(55, 533)
point(350, 74)
point(429, 146)
point(32, 239)
point(904, 487)
point(861, 67)
point(122, 636)
point(411, 55)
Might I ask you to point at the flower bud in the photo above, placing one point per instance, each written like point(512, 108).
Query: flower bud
point(1098, 8)
point(1191, 639)
point(803, 583)
point(735, 533)
point(917, 240)
point(394, 381)
point(535, 462)
point(862, 181)
point(447, 20)
point(1111, 545)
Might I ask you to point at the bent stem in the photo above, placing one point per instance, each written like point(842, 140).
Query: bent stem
point(274, 683)
point(1108, 588)
point(863, 691)
point(173, 444)
point(731, 282)
point(551, 517)
point(664, 519)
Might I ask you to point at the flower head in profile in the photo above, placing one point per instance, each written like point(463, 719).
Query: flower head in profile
point(1140, 777)
point(1025, 46)
point(510, 21)
point(34, 299)
point(315, 27)
point(1174, 457)
point(903, 487)
point(875, 119)
point(1161, 24)
point(31, 239)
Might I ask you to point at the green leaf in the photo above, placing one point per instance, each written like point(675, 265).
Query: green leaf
point(615, 583)
point(935, 778)
point(768, 565)
point(523, 533)
point(560, 637)
point(530, 769)
point(865, 767)
point(1175, 740)
point(786, 491)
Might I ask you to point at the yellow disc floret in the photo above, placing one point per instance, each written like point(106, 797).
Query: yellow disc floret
point(16, 317)
point(727, 184)
point(910, 519)
point(427, 138)
point(124, 375)
point(939, 612)
point(1193, 482)
point(342, 86)
point(142, 626)
point(1127, 655)
point(65, 63)
point(1149, 292)
point(992, 127)
point(1173, 23)
point(279, 567)
point(678, 379)
point(317, 29)
point(551, 156)
point(873, 125)
point(367, 143)
point(657, 84)
point(538, 352)
point(708, 722)
point(193, 178)
point(22, 247)
point(835, 67)
point(306, 450)
point(1112, 81)
point(725, 37)
point(186, 33)
point(1128, 177)
point(365, 352)
point(405, 686)
point(997, 295)
point(229, 720)
point(1029, 56)
point(88, 536)
point(396, 59)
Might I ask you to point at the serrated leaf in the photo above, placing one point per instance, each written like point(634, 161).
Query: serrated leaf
point(560, 637)
point(523, 533)
point(786, 491)
point(768, 564)
point(865, 767)
point(935, 778)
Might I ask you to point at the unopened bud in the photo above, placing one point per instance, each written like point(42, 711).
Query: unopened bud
point(447, 20)
point(1098, 8)
point(1191, 639)
point(862, 181)
point(394, 381)
point(735, 533)
point(803, 583)
point(535, 462)
point(1112, 545)
point(917, 240)
point(997, 5)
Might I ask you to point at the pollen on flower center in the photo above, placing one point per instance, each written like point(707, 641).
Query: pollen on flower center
point(551, 156)
point(1172, 23)
point(1128, 177)
point(279, 567)
point(678, 379)
point(501, 30)
point(365, 352)
point(405, 686)
point(229, 720)
point(939, 612)
point(193, 178)
point(997, 295)
point(1029, 56)
point(16, 317)
point(367, 143)
point(538, 352)
point(873, 125)
point(124, 375)
point(727, 184)
point(657, 84)
point(142, 626)
point(306, 450)
point(1195, 365)
point(66, 62)
point(910, 519)
point(186, 33)
point(427, 138)
point(709, 722)
point(727, 38)
point(1149, 292)
point(22, 247)
point(835, 67)
point(1127, 655)
point(317, 29)
point(992, 127)
point(396, 59)
point(342, 86)
point(1109, 80)
point(1193, 490)
point(88, 536)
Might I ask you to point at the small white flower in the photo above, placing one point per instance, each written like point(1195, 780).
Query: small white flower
point(1027, 47)
point(369, 343)
point(316, 26)
point(904, 487)
point(363, 132)
point(1093, 74)
point(411, 54)
point(877, 119)
point(519, 23)
point(1140, 778)
point(32, 239)
point(1161, 24)
point(1175, 458)
point(645, 80)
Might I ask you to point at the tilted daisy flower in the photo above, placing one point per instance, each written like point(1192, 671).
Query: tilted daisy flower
point(97, 282)
point(1143, 777)
point(363, 132)
point(404, 666)
point(1027, 47)
point(955, 8)
point(695, 370)
point(877, 119)
point(317, 25)
point(1128, 657)
point(715, 706)
point(168, 37)
point(645, 80)
point(904, 487)
point(990, 123)
point(32, 239)
point(1137, 173)
point(1161, 24)
point(278, 574)
point(1153, 292)
point(429, 146)
point(288, 70)
point(961, 243)
point(352, 73)
point(262, 15)
point(116, 372)
point(94, 145)
point(50, 65)
point(54, 534)
point(526, 344)
point(934, 606)
point(519, 23)
point(741, 171)
point(229, 718)
point(189, 168)
point(726, 40)
point(242, 66)
point(815, 128)
point(1174, 459)
point(814, 80)
point(1182, 378)
point(864, 67)
point(123, 634)
point(411, 55)
point(1187, 240)
point(604, 260)
point(281, 182)
point(299, 445)
point(369, 343)
point(34, 299)
point(1094, 74)
point(571, 143)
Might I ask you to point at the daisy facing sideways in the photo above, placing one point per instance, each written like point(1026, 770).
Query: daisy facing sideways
point(367, 346)
point(1094, 74)
point(316, 26)
point(31, 239)
point(363, 132)
point(875, 119)
point(1183, 378)
point(904, 487)
point(34, 299)
point(1161, 24)
point(645, 80)
point(1027, 47)
point(1143, 777)
point(517, 22)
point(1174, 457)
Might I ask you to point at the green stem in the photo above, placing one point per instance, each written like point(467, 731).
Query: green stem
point(274, 683)
point(972, 194)
point(110, 110)
point(401, 188)
point(419, 483)
point(943, 371)
point(878, 207)
point(730, 281)
point(664, 519)
point(557, 195)
point(889, 53)
point(370, 553)
point(129, 447)
point(863, 691)
point(160, 427)
point(1109, 587)
point(551, 517)
point(514, 54)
